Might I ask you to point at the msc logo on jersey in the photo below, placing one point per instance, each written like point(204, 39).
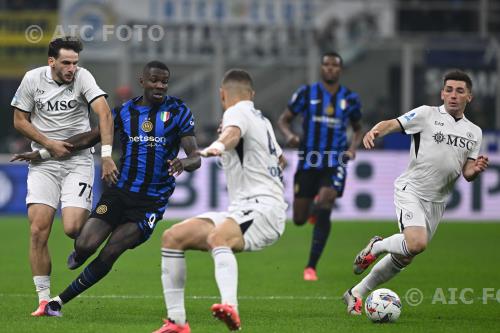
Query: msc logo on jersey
point(57, 105)
point(438, 137)
point(147, 126)
point(39, 104)
point(102, 209)
point(455, 141)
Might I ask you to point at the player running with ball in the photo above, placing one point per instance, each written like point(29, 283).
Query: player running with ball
point(444, 145)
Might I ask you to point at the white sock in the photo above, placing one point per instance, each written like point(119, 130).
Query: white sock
point(395, 244)
point(42, 287)
point(58, 300)
point(383, 271)
point(226, 275)
point(173, 279)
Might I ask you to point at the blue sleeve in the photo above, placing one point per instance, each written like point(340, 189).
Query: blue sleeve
point(297, 103)
point(185, 121)
point(354, 107)
point(116, 113)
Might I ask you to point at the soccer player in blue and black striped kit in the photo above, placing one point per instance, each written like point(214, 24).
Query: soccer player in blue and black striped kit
point(327, 109)
point(152, 128)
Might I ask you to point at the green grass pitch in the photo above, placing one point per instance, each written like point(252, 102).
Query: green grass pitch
point(273, 296)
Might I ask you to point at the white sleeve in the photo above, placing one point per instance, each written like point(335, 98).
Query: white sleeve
point(235, 117)
point(24, 99)
point(474, 152)
point(89, 88)
point(414, 121)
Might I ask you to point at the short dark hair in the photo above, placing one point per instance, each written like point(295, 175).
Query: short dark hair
point(458, 75)
point(155, 64)
point(66, 42)
point(332, 54)
point(239, 76)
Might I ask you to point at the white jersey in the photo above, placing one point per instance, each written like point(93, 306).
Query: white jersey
point(440, 147)
point(252, 168)
point(58, 111)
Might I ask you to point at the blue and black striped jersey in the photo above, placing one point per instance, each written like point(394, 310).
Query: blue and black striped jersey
point(150, 136)
point(325, 121)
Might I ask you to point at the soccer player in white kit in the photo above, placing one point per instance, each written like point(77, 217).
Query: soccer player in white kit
point(252, 162)
point(444, 145)
point(52, 104)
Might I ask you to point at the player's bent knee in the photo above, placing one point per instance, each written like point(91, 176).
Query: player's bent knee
point(83, 247)
point(416, 246)
point(215, 239)
point(72, 232)
point(299, 219)
point(173, 238)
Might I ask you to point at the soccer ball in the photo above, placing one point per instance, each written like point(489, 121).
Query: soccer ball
point(383, 306)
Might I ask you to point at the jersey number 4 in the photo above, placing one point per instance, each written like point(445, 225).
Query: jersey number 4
point(270, 143)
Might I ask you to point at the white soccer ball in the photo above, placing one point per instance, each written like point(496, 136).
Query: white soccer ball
point(383, 306)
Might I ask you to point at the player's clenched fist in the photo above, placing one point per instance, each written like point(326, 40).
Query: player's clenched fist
point(481, 163)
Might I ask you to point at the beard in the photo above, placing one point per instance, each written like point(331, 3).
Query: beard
point(330, 81)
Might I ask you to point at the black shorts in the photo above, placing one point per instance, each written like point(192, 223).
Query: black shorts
point(118, 206)
point(306, 183)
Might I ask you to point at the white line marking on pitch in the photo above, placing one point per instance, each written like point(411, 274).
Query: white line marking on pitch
point(291, 298)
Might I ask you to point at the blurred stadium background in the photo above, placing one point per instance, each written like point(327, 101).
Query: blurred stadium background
point(395, 53)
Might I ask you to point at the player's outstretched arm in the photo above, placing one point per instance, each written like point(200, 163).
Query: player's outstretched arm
point(381, 129)
point(84, 140)
point(191, 162)
point(227, 140)
point(76, 142)
point(23, 124)
point(473, 168)
point(285, 125)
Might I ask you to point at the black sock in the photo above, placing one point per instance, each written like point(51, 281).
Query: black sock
point(320, 236)
point(95, 271)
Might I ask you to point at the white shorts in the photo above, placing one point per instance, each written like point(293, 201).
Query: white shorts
point(413, 211)
point(261, 224)
point(67, 181)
